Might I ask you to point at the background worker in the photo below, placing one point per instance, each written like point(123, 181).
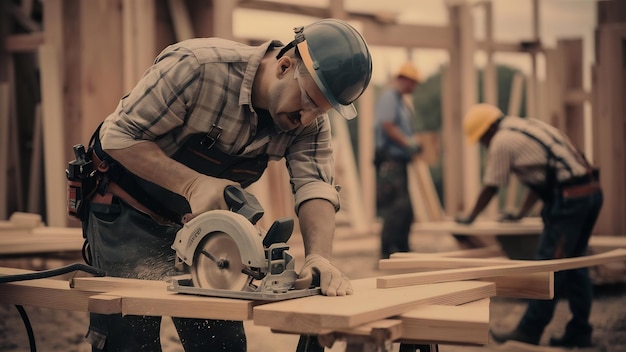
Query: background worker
point(210, 113)
point(396, 144)
point(557, 173)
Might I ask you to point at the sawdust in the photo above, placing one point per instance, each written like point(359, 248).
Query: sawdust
point(64, 330)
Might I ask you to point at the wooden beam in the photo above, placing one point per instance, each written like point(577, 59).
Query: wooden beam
point(44, 293)
point(527, 286)
point(5, 105)
point(53, 134)
point(467, 323)
point(183, 28)
point(533, 285)
point(483, 227)
point(407, 35)
point(430, 277)
point(316, 313)
point(17, 43)
point(430, 262)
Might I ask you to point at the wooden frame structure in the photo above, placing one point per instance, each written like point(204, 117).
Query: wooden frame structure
point(91, 40)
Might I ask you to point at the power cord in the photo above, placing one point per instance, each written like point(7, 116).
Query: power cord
point(41, 275)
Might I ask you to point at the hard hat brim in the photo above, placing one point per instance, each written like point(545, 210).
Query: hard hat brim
point(347, 111)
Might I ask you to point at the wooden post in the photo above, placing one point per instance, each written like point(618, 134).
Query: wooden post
point(609, 148)
point(462, 61)
point(53, 135)
point(490, 81)
point(366, 153)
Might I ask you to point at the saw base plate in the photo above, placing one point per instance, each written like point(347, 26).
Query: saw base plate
point(184, 284)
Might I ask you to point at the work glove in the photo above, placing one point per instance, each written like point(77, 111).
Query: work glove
point(509, 217)
point(465, 220)
point(206, 193)
point(331, 280)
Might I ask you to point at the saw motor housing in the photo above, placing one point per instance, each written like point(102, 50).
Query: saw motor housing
point(264, 261)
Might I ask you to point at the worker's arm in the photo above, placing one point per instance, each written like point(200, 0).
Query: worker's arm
point(483, 199)
point(529, 201)
point(148, 161)
point(317, 224)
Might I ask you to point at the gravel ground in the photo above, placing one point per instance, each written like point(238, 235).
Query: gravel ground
point(64, 330)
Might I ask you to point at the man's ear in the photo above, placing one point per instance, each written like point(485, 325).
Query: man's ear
point(283, 64)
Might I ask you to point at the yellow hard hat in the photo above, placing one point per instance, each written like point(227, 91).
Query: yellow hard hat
point(478, 119)
point(409, 71)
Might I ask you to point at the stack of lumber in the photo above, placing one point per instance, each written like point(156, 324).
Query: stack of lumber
point(413, 300)
point(25, 234)
point(450, 305)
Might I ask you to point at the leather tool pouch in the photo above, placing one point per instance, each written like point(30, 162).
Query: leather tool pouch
point(81, 183)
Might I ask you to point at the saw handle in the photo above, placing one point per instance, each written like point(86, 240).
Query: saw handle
point(244, 203)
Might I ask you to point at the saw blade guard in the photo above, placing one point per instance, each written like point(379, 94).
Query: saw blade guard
point(245, 235)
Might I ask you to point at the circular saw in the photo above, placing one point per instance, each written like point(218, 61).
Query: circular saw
point(228, 256)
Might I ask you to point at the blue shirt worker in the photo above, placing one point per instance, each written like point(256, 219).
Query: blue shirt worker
point(396, 144)
point(210, 113)
point(546, 161)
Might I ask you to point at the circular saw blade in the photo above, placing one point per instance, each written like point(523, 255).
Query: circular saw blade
point(217, 264)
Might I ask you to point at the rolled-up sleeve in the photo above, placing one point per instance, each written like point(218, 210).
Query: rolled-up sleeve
point(311, 165)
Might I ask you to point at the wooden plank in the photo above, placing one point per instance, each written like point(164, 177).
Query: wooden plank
point(427, 189)
point(400, 280)
point(484, 252)
point(44, 293)
point(483, 227)
point(53, 134)
point(468, 323)
point(166, 303)
point(418, 199)
point(132, 296)
point(430, 262)
point(105, 304)
point(4, 147)
point(16, 43)
point(317, 313)
point(150, 297)
point(36, 165)
point(183, 28)
point(597, 242)
point(533, 285)
point(530, 286)
point(106, 284)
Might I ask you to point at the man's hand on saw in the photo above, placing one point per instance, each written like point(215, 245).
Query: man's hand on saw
point(206, 193)
point(332, 281)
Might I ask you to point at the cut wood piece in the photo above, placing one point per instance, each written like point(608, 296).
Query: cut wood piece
point(484, 252)
point(429, 262)
point(468, 323)
point(25, 220)
point(165, 303)
point(599, 243)
point(107, 284)
point(378, 332)
point(150, 297)
point(530, 286)
point(105, 304)
point(534, 285)
point(317, 313)
point(44, 293)
point(430, 277)
point(483, 227)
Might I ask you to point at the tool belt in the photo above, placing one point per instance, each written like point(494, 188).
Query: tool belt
point(582, 190)
point(109, 189)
